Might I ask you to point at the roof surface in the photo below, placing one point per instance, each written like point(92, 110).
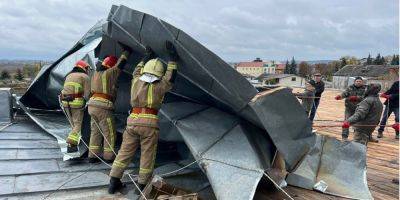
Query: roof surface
point(365, 71)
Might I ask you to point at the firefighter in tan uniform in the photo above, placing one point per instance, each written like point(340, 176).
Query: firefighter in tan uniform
point(101, 107)
point(149, 86)
point(73, 96)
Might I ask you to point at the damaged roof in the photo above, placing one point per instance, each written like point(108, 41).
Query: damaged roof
point(213, 115)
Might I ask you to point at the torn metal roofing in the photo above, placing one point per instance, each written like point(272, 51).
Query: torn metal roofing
point(212, 112)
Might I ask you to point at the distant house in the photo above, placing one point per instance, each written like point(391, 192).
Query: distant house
point(287, 80)
point(256, 67)
point(280, 68)
point(372, 73)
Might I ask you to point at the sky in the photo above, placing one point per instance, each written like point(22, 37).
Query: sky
point(234, 30)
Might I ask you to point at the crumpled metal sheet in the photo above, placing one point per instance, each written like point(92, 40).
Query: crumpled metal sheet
point(6, 103)
point(278, 112)
point(232, 153)
point(341, 166)
point(212, 108)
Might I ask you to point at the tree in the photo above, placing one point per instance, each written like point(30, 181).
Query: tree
point(369, 60)
point(293, 67)
point(287, 67)
point(383, 61)
point(5, 75)
point(19, 75)
point(322, 68)
point(334, 66)
point(343, 62)
point(395, 60)
point(378, 60)
point(304, 69)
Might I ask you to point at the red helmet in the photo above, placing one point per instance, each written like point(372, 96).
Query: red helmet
point(110, 61)
point(82, 64)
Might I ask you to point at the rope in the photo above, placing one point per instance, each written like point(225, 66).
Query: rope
point(276, 185)
point(5, 126)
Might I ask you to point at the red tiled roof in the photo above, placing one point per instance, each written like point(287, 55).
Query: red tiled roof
point(280, 66)
point(250, 64)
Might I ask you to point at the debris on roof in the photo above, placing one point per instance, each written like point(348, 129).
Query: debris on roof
point(213, 116)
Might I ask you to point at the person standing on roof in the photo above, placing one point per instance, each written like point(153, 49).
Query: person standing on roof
point(366, 116)
point(354, 94)
point(101, 107)
point(307, 97)
point(75, 92)
point(149, 85)
point(319, 89)
point(391, 105)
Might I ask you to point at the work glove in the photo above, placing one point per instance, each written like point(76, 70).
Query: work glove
point(386, 96)
point(338, 97)
point(346, 125)
point(125, 47)
point(395, 126)
point(173, 55)
point(353, 98)
point(149, 54)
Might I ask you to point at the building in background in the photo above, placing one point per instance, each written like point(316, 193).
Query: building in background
point(257, 67)
point(287, 80)
point(280, 68)
point(382, 74)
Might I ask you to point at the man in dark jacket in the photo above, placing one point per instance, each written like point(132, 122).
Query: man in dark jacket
point(391, 105)
point(353, 95)
point(319, 89)
point(366, 116)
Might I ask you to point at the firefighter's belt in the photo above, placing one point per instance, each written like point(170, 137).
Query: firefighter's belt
point(138, 110)
point(104, 96)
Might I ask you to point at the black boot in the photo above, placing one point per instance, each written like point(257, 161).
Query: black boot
point(115, 185)
point(141, 187)
point(72, 148)
point(380, 134)
point(94, 160)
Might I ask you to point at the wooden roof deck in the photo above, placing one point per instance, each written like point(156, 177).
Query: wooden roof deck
point(382, 157)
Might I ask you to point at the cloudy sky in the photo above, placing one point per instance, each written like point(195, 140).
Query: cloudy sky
point(234, 30)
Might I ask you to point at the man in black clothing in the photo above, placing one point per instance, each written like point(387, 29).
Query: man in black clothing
point(319, 89)
point(391, 105)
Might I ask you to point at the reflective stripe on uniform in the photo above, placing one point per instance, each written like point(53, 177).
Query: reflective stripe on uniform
point(94, 147)
point(75, 102)
point(150, 96)
point(171, 66)
point(142, 115)
point(77, 87)
point(100, 99)
point(145, 171)
point(104, 82)
point(119, 164)
point(74, 136)
point(111, 130)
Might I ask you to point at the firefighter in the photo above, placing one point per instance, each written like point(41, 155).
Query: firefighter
point(73, 96)
point(101, 107)
point(353, 95)
point(149, 85)
point(366, 116)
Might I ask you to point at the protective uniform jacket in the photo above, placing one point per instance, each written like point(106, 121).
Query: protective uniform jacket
point(103, 85)
point(149, 96)
point(353, 91)
point(76, 86)
point(368, 112)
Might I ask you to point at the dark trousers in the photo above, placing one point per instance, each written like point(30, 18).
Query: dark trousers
point(386, 114)
point(314, 109)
